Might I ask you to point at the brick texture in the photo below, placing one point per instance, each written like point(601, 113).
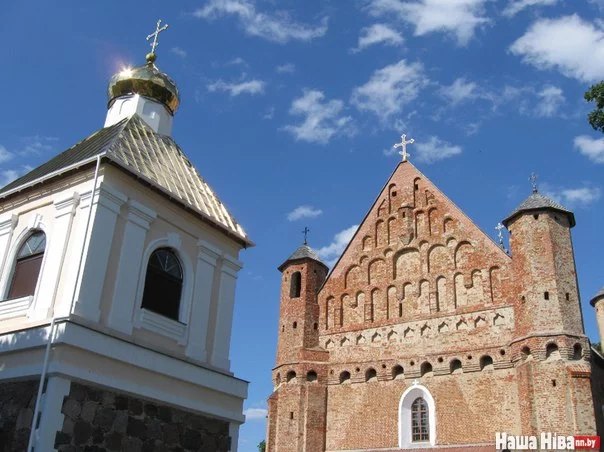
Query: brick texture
point(422, 295)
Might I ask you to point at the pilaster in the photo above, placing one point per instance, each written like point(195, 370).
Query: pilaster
point(7, 227)
point(138, 222)
point(224, 314)
point(65, 209)
point(106, 205)
point(204, 283)
point(51, 419)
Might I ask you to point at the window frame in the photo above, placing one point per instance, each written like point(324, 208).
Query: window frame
point(405, 429)
point(417, 410)
point(157, 323)
point(21, 306)
point(155, 272)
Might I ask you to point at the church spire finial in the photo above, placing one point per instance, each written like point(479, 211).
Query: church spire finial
point(305, 232)
point(151, 57)
point(533, 180)
point(403, 144)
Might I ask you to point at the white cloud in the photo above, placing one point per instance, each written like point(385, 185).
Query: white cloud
point(515, 6)
point(572, 197)
point(36, 145)
point(278, 27)
point(460, 90)
point(179, 52)
point(434, 150)
point(569, 44)
point(457, 17)
point(303, 212)
point(550, 99)
point(270, 113)
point(7, 176)
point(236, 62)
point(378, 33)
point(255, 413)
point(331, 253)
point(323, 119)
point(252, 87)
point(592, 148)
point(390, 88)
point(5, 156)
point(286, 68)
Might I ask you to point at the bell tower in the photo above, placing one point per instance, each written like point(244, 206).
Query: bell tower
point(297, 406)
point(550, 349)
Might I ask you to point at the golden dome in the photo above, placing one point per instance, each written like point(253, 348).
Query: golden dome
point(145, 81)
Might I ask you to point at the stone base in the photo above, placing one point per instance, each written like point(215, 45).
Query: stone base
point(17, 402)
point(98, 420)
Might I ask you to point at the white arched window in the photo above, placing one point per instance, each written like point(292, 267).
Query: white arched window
point(28, 263)
point(417, 421)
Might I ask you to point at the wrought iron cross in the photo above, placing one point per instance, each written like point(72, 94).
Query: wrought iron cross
point(155, 35)
point(305, 232)
point(533, 180)
point(500, 228)
point(403, 144)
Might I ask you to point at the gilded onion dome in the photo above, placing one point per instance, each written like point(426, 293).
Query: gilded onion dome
point(147, 81)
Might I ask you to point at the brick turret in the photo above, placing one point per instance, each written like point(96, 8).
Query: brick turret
point(598, 303)
point(550, 349)
point(297, 407)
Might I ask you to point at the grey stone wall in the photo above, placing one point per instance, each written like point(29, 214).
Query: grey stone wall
point(17, 401)
point(98, 420)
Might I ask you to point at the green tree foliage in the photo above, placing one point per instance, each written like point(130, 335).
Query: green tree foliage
point(598, 347)
point(596, 117)
point(262, 446)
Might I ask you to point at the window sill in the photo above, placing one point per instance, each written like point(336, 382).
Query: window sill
point(162, 325)
point(15, 308)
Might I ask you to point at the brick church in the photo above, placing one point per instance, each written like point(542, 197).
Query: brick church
point(427, 334)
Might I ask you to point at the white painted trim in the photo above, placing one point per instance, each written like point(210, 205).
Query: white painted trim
point(234, 434)
point(51, 419)
point(404, 417)
point(15, 308)
point(7, 228)
point(162, 325)
point(97, 343)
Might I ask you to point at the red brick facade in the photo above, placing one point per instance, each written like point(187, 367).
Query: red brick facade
point(422, 298)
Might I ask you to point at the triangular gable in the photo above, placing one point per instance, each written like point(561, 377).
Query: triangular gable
point(415, 253)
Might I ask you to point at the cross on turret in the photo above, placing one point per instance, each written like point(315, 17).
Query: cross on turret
point(305, 232)
point(533, 180)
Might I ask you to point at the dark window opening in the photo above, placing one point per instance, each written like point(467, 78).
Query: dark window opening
point(163, 284)
point(311, 376)
point(546, 295)
point(577, 352)
point(315, 326)
point(426, 369)
point(371, 375)
point(290, 376)
point(554, 383)
point(420, 427)
point(400, 309)
point(397, 371)
point(455, 366)
point(295, 325)
point(27, 266)
point(296, 285)
point(536, 216)
point(291, 415)
point(416, 187)
point(345, 377)
point(486, 363)
point(567, 296)
point(393, 194)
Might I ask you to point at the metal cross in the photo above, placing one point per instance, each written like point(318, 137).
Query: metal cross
point(500, 228)
point(158, 30)
point(533, 180)
point(403, 144)
point(305, 232)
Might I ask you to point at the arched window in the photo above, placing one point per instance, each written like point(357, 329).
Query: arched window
point(296, 285)
point(551, 351)
point(290, 375)
point(577, 351)
point(455, 366)
point(371, 374)
point(311, 376)
point(27, 266)
point(398, 372)
point(163, 283)
point(345, 377)
point(426, 369)
point(420, 424)
point(486, 363)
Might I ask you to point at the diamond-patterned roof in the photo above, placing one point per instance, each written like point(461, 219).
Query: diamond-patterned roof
point(537, 201)
point(155, 158)
point(597, 296)
point(304, 252)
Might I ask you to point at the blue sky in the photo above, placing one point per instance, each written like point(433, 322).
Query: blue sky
point(290, 110)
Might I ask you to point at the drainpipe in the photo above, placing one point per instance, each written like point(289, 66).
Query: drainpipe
point(53, 322)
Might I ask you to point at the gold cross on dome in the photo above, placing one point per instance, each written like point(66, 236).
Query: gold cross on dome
point(155, 35)
point(403, 144)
